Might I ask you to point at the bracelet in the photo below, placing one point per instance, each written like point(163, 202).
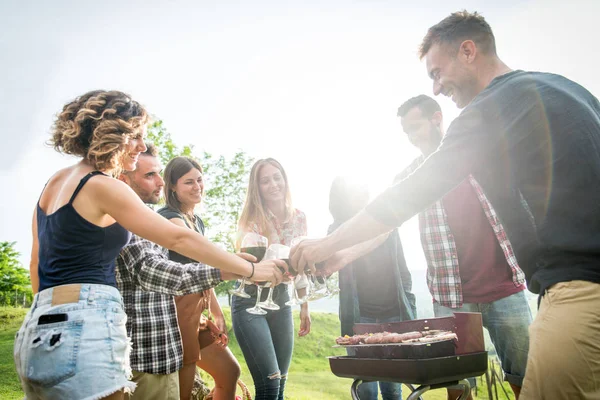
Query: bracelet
point(252, 274)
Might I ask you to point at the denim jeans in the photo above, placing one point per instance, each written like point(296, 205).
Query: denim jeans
point(266, 341)
point(507, 321)
point(389, 390)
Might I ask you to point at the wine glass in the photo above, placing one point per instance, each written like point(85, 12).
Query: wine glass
point(254, 244)
point(295, 300)
point(332, 288)
point(318, 289)
point(323, 282)
point(257, 310)
point(274, 252)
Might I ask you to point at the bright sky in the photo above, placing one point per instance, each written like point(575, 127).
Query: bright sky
point(314, 84)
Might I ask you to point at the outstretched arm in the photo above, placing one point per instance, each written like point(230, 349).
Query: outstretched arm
point(117, 199)
point(149, 266)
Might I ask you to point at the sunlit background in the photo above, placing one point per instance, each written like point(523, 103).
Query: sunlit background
point(314, 84)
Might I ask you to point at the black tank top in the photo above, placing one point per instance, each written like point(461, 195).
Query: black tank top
point(73, 250)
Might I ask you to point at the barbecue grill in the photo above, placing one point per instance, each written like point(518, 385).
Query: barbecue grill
point(430, 365)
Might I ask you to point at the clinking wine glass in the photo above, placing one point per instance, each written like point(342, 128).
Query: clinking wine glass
point(257, 310)
point(295, 300)
point(332, 288)
point(316, 289)
point(318, 285)
point(274, 252)
point(254, 244)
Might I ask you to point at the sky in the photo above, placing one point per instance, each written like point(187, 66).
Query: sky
point(314, 84)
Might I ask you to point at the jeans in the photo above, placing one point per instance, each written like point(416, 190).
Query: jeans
point(266, 341)
point(507, 321)
point(74, 350)
point(389, 390)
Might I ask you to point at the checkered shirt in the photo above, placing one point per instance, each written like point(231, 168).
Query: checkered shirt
point(148, 280)
point(439, 247)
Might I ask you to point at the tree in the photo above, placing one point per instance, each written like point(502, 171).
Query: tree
point(226, 182)
point(15, 286)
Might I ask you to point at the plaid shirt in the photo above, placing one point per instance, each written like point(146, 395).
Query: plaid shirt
point(148, 280)
point(439, 247)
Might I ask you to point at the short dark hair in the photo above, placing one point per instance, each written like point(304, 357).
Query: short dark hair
point(151, 149)
point(426, 104)
point(458, 27)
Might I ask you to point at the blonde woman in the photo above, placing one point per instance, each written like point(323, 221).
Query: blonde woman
point(267, 340)
point(184, 188)
point(73, 343)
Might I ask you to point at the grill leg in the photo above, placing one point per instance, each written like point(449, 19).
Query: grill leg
point(416, 394)
point(412, 389)
point(354, 389)
point(466, 389)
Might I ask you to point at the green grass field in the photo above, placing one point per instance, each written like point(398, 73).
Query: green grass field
point(309, 376)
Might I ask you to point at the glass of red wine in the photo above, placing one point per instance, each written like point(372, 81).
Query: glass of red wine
point(254, 244)
point(274, 252)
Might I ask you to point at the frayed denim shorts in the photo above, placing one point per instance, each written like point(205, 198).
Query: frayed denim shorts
point(73, 344)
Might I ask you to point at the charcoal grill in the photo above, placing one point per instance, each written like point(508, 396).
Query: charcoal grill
point(431, 366)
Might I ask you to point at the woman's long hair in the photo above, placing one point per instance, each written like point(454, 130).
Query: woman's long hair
point(255, 209)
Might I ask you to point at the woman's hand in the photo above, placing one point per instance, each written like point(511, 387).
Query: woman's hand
point(305, 321)
point(222, 326)
point(269, 271)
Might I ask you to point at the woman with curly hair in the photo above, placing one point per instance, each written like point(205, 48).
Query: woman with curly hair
point(73, 343)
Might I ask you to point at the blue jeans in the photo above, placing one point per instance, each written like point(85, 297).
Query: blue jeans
point(267, 341)
point(507, 321)
point(389, 390)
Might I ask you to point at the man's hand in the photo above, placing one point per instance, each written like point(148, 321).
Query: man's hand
point(309, 252)
point(333, 264)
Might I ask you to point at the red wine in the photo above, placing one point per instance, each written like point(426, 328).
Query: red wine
point(256, 251)
point(291, 270)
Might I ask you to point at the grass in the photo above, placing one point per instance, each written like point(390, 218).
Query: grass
point(10, 320)
point(309, 376)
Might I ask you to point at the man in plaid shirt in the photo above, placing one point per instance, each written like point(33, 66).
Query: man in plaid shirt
point(148, 280)
point(471, 265)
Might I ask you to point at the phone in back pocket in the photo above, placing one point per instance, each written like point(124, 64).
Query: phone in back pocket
point(52, 318)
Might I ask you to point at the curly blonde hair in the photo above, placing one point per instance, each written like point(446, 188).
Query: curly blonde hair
point(97, 125)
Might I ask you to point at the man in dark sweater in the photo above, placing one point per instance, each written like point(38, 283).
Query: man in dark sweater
point(529, 133)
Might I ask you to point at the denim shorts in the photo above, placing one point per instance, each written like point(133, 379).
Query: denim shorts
point(75, 350)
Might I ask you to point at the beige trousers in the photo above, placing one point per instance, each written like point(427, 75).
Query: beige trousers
point(564, 345)
point(155, 386)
